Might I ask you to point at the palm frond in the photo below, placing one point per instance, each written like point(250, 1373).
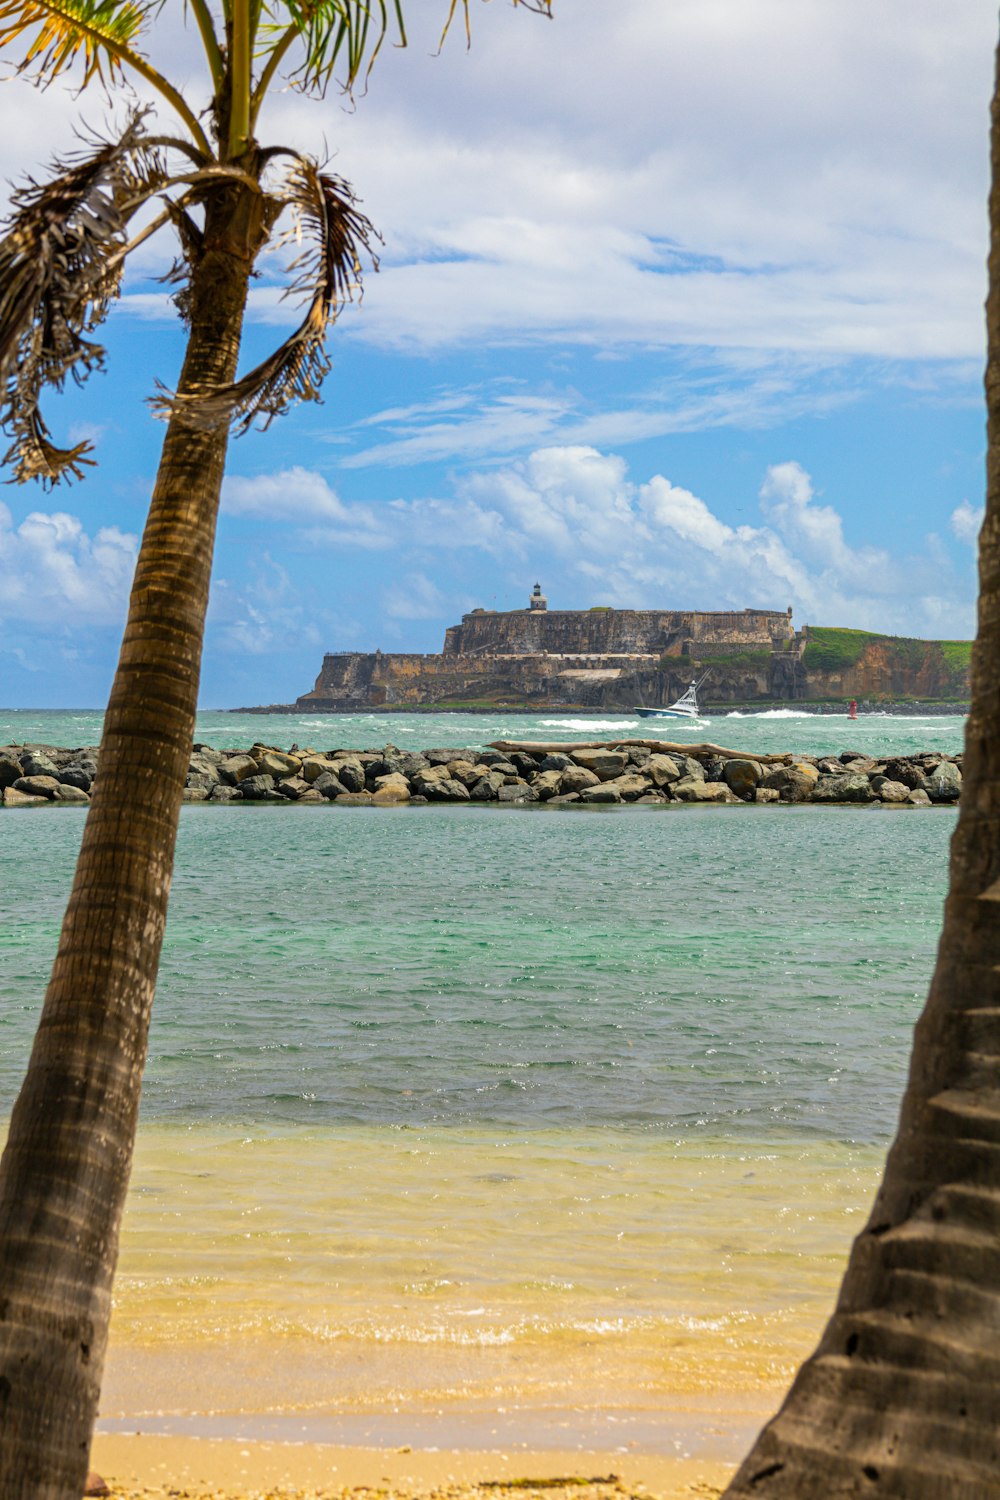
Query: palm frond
point(332, 34)
point(540, 7)
point(98, 29)
point(328, 273)
point(58, 276)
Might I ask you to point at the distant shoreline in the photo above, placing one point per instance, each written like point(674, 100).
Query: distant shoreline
point(929, 709)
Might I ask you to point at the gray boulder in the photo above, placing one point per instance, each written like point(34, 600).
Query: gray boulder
point(854, 760)
point(604, 764)
point(37, 785)
point(945, 783)
point(743, 777)
point(328, 786)
point(37, 763)
point(13, 798)
point(236, 768)
point(66, 793)
point(203, 767)
point(691, 789)
point(256, 788)
point(391, 789)
point(578, 779)
point(79, 775)
point(222, 792)
point(465, 771)
point(631, 786)
point(277, 764)
point(662, 769)
point(196, 779)
point(850, 786)
point(526, 765)
point(292, 787)
point(518, 791)
point(10, 768)
point(548, 784)
point(791, 783)
point(446, 790)
point(890, 791)
point(350, 772)
point(554, 762)
point(605, 791)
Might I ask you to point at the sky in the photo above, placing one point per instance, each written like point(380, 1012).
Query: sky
point(679, 306)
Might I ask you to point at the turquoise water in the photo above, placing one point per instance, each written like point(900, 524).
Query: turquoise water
point(452, 1111)
point(717, 970)
point(774, 730)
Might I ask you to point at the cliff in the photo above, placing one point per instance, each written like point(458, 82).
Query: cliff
point(859, 664)
point(613, 659)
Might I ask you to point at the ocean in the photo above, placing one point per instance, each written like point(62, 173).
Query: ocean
point(499, 1126)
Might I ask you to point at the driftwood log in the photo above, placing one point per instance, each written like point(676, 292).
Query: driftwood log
point(662, 747)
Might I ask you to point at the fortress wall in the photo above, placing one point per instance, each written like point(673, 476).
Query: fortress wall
point(598, 657)
point(603, 631)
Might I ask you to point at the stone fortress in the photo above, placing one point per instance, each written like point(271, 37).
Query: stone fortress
point(589, 659)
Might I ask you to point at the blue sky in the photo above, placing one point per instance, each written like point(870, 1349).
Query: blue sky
point(679, 305)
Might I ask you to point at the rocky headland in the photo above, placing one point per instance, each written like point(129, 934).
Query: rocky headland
point(646, 772)
point(603, 658)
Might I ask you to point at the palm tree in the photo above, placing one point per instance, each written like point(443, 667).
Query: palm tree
point(64, 1173)
point(901, 1397)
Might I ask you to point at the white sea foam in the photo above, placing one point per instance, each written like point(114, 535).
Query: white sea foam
point(584, 724)
point(783, 713)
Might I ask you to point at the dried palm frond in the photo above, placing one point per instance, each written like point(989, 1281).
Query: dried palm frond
point(38, 457)
point(328, 273)
point(58, 275)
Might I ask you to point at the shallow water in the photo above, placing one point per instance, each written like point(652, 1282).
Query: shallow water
point(456, 1108)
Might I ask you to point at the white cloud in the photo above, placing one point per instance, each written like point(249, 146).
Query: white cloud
point(304, 497)
point(966, 520)
point(712, 185)
point(656, 543)
point(54, 576)
point(576, 512)
point(415, 597)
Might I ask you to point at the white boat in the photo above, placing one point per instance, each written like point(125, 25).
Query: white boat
point(686, 706)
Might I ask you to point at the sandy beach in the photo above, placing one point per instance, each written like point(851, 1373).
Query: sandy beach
point(141, 1467)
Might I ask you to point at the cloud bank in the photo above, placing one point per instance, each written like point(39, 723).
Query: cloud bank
point(576, 513)
point(54, 576)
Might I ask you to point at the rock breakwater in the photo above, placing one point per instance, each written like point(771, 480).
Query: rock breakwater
point(647, 772)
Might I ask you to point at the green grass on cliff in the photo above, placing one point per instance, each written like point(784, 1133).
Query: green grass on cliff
point(831, 650)
point(957, 655)
point(738, 661)
point(834, 650)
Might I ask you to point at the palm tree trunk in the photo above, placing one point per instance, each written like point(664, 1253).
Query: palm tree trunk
point(902, 1396)
point(65, 1170)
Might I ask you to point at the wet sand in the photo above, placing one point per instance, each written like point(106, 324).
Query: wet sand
point(141, 1467)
